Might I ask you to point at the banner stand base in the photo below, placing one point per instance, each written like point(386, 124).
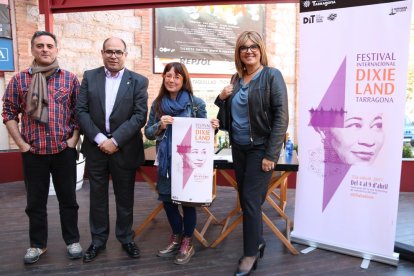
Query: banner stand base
point(406, 251)
point(379, 258)
point(308, 250)
point(365, 263)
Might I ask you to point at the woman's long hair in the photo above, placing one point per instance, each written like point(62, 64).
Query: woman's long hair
point(241, 40)
point(179, 69)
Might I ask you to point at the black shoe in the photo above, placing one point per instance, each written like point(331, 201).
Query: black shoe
point(131, 249)
point(240, 272)
point(92, 252)
point(262, 247)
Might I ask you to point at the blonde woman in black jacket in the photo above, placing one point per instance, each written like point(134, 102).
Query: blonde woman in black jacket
point(254, 109)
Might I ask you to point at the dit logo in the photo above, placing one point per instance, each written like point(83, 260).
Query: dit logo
point(309, 20)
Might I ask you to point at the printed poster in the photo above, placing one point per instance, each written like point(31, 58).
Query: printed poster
point(353, 76)
point(203, 37)
point(192, 161)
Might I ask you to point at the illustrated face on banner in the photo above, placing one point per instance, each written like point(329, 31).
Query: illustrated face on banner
point(195, 158)
point(359, 141)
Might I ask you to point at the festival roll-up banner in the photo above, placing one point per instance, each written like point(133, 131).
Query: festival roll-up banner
point(192, 154)
point(353, 76)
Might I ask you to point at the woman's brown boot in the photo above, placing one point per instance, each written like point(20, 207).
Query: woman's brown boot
point(186, 251)
point(172, 248)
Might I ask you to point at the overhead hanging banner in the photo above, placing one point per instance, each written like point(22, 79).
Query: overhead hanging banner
point(353, 77)
point(192, 154)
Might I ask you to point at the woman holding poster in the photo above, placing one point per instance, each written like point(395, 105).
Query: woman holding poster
point(175, 99)
point(255, 109)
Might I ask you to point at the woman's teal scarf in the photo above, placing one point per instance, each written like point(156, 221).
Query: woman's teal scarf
point(174, 108)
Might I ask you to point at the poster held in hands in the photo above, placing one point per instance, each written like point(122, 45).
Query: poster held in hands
point(192, 155)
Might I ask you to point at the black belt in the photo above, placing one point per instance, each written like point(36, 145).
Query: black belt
point(109, 135)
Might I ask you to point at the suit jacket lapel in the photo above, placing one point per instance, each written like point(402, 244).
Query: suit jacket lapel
point(101, 78)
point(123, 88)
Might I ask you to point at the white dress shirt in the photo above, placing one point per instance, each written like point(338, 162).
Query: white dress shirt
point(111, 90)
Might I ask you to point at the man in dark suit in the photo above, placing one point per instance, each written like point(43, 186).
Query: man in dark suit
point(112, 109)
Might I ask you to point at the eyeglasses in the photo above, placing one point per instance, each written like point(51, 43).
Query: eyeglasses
point(117, 53)
point(245, 49)
point(173, 77)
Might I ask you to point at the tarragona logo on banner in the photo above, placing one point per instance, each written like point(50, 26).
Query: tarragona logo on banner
point(352, 97)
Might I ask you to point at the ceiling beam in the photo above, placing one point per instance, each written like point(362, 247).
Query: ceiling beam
point(65, 6)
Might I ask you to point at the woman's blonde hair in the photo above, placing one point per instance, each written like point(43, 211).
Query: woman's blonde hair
point(241, 40)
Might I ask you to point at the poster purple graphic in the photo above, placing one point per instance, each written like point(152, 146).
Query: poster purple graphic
point(330, 114)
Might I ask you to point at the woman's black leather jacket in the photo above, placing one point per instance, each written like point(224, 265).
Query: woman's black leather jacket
point(268, 111)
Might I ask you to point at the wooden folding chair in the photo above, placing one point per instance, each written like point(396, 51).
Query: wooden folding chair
point(199, 235)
